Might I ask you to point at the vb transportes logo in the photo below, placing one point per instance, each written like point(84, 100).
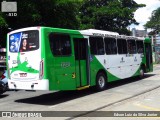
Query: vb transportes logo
point(9, 7)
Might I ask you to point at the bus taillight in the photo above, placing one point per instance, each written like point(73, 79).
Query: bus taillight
point(41, 71)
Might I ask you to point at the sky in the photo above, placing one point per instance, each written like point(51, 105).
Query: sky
point(142, 14)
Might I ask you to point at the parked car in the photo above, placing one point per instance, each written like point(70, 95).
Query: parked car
point(3, 72)
point(3, 82)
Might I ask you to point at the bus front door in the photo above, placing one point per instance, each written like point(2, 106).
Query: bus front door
point(81, 62)
point(148, 53)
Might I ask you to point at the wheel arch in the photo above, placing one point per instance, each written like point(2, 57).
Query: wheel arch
point(104, 72)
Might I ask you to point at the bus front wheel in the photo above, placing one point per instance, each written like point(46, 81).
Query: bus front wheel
point(141, 73)
point(100, 81)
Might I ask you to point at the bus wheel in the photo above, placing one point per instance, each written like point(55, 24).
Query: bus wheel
point(141, 73)
point(100, 82)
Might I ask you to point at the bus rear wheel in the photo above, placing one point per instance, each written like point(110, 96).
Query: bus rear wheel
point(100, 81)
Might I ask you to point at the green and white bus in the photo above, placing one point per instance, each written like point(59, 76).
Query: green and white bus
point(44, 58)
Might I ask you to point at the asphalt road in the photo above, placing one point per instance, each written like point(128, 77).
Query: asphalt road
point(132, 94)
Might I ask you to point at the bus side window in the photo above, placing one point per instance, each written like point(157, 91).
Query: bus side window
point(122, 46)
point(131, 46)
point(96, 45)
point(140, 46)
point(60, 44)
point(110, 46)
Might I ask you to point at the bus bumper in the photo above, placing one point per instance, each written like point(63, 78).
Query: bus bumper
point(29, 85)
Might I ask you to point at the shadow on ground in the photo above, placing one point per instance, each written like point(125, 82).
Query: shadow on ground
point(63, 96)
point(3, 95)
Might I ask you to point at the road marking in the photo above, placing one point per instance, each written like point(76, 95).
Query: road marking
point(148, 99)
point(147, 107)
point(52, 106)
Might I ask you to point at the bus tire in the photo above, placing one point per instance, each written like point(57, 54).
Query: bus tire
point(141, 73)
point(100, 81)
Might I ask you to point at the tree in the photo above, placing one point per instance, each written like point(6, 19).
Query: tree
point(112, 15)
point(154, 22)
point(2, 20)
point(3, 30)
point(52, 13)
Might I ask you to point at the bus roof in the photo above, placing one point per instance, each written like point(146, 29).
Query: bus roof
point(24, 29)
point(97, 32)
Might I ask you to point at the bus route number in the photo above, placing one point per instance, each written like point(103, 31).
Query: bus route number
point(65, 64)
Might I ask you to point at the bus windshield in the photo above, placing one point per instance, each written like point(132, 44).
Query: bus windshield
point(24, 41)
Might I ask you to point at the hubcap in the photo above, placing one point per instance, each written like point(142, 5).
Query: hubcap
point(101, 81)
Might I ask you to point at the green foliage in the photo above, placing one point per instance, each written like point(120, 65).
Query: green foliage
point(53, 13)
point(154, 21)
point(112, 15)
point(2, 21)
point(3, 30)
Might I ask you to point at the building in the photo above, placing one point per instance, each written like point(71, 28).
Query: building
point(139, 33)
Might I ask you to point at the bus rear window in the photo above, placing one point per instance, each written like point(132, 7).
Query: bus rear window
point(24, 41)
